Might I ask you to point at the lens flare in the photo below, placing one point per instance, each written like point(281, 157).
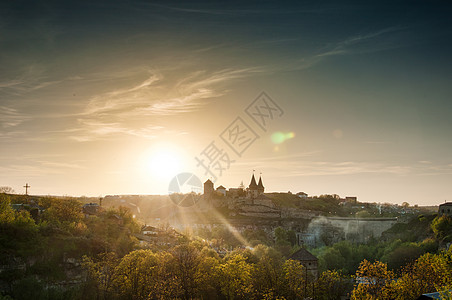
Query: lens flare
point(280, 137)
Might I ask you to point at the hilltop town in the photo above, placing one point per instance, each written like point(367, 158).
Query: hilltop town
point(315, 220)
point(298, 234)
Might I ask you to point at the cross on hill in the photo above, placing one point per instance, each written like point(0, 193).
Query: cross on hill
point(26, 186)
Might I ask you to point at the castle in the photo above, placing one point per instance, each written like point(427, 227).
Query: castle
point(254, 190)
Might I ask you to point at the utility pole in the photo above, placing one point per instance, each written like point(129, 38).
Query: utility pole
point(306, 281)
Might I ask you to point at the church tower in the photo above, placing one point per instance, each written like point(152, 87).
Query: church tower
point(260, 186)
point(254, 190)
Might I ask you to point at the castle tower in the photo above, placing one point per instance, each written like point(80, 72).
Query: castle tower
point(208, 193)
point(253, 184)
point(208, 189)
point(252, 190)
point(260, 186)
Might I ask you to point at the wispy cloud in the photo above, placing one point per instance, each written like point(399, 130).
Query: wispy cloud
point(63, 165)
point(130, 98)
point(25, 166)
point(11, 117)
point(371, 42)
point(323, 168)
point(126, 110)
point(30, 79)
point(91, 130)
point(239, 12)
point(364, 43)
point(300, 165)
point(159, 95)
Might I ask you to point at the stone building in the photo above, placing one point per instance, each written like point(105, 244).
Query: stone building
point(309, 261)
point(445, 209)
point(221, 190)
point(208, 189)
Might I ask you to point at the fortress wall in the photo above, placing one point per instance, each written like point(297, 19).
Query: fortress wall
point(358, 230)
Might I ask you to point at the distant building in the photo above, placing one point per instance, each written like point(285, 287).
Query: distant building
point(91, 209)
point(302, 195)
point(34, 209)
point(236, 192)
point(222, 190)
point(254, 190)
point(260, 186)
point(352, 200)
point(306, 239)
point(309, 261)
point(445, 209)
point(149, 230)
point(208, 189)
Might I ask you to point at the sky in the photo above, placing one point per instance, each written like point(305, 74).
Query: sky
point(119, 97)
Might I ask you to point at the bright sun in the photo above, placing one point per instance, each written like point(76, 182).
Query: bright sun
point(163, 162)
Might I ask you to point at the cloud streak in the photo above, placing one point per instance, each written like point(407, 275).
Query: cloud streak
point(11, 117)
point(299, 166)
point(126, 110)
point(372, 42)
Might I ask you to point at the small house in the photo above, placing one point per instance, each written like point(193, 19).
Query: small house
point(309, 261)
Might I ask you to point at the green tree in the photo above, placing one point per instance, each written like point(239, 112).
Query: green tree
point(142, 274)
point(406, 253)
point(281, 237)
point(102, 272)
point(207, 277)
point(135, 273)
point(235, 277)
point(6, 212)
point(186, 259)
point(64, 212)
point(442, 227)
point(332, 259)
point(292, 237)
point(267, 271)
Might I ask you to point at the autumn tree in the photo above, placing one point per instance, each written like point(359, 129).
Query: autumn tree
point(330, 285)
point(295, 279)
point(429, 273)
point(372, 279)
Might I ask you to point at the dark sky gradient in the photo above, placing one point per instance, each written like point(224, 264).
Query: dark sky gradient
point(90, 92)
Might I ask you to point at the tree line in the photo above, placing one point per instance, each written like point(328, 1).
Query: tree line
point(61, 254)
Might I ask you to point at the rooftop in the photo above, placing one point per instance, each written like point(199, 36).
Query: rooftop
point(303, 255)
